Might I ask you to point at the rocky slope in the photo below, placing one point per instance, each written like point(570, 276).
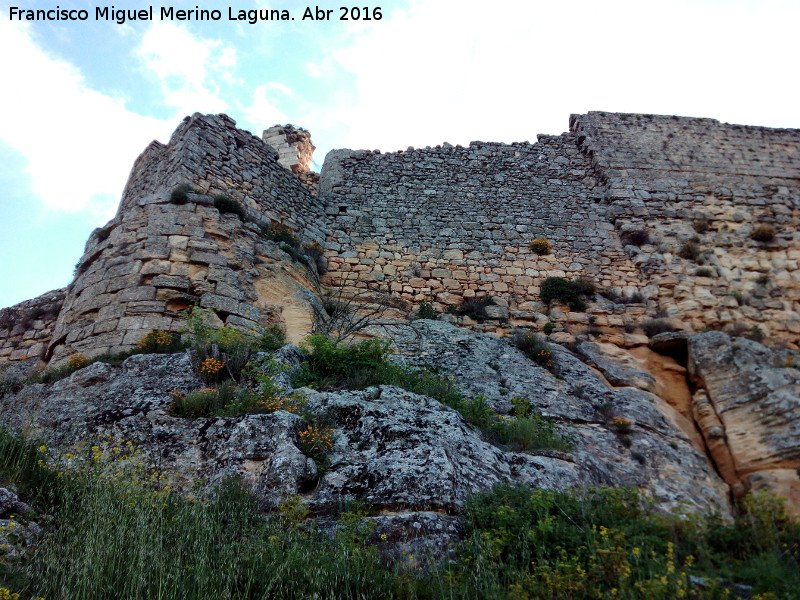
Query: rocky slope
point(409, 457)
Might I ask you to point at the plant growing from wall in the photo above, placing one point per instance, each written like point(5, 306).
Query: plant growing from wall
point(763, 233)
point(635, 237)
point(227, 205)
point(180, 195)
point(426, 311)
point(474, 308)
point(689, 251)
point(571, 293)
point(655, 326)
point(541, 246)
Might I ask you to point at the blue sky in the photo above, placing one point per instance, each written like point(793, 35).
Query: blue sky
point(81, 100)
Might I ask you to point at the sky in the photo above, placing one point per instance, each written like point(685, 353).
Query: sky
point(82, 99)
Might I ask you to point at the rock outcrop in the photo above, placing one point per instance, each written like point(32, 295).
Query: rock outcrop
point(221, 219)
point(394, 450)
point(748, 408)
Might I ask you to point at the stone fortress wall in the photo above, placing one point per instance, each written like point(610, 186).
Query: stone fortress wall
point(445, 224)
point(157, 258)
point(439, 225)
point(700, 180)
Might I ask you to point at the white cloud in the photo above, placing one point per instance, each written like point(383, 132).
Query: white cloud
point(447, 71)
point(264, 109)
point(187, 68)
point(79, 144)
point(313, 69)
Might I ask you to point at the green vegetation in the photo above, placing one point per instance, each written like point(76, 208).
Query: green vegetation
point(426, 311)
point(537, 349)
point(311, 254)
point(763, 233)
point(655, 326)
point(704, 272)
point(635, 237)
point(222, 353)
point(180, 195)
point(225, 204)
point(689, 251)
point(526, 430)
point(228, 361)
point(541, 246)
point(118, 531)
point(571, 293)
point(331, 366)
point(156, 342)
point(474, 308)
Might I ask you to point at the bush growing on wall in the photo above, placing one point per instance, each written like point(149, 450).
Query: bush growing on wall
point(571, 293)
point(180, 195)
point(541, 246)
point(763, 233)
point(225, 204)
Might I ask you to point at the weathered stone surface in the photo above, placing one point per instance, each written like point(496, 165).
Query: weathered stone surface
point(397, 448)
point(750, 400)
point(392, 448)
point(673, 470)
point(619, 367)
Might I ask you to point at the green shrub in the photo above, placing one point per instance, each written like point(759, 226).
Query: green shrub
point(541, 246)
point(280, 233)
point(763, 233)
point(571, 293)
point(756, 334)
point(635, 237)
point(530, 431)
point(103, 233)
point(704, 272)
point(655, 326)
point(209, 402)
point(537, 349)
point(329, 365)
point(426, 311)
point(474, 308)
point(689, 251)
point(180, 195)
point(226, 346)
point(159, 341)
point(548, 328)
point(10, 385)
point(226, 204)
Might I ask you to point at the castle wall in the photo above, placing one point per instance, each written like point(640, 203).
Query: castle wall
point(447, 223)
point(685, 179)
point(26, 328)
point(157, 258)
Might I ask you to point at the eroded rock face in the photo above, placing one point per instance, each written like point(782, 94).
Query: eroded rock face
point(749, 411)
point(398, 449)
point(661, 459)
point(392, 449)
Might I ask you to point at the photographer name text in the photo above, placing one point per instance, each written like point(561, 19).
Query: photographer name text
point(121, 16)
